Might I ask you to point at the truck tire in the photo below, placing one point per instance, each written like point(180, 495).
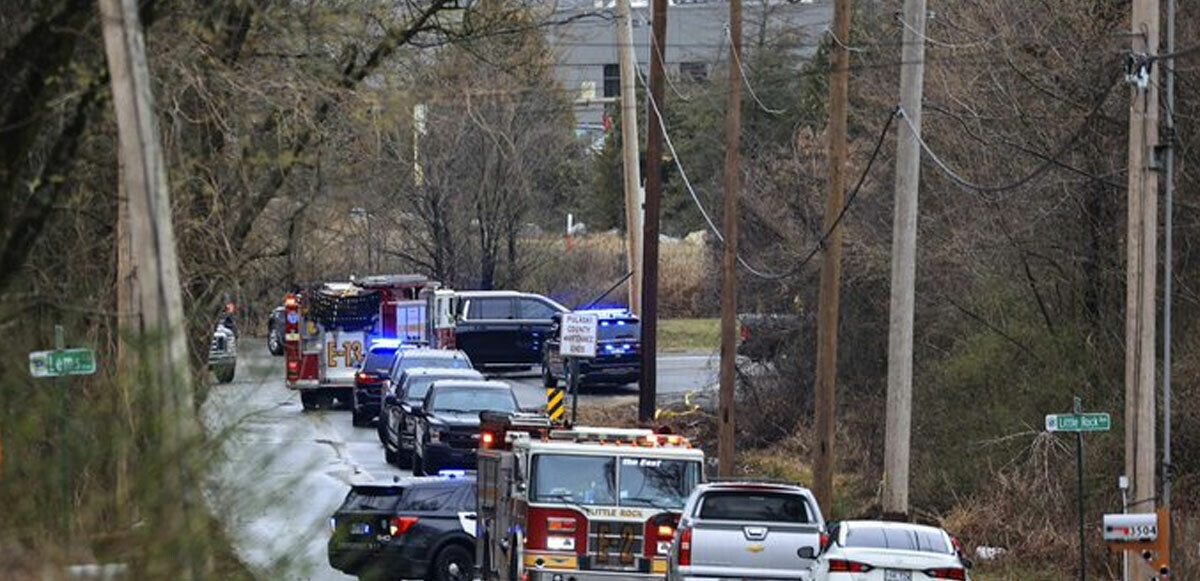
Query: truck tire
point(225, 373)
point(309, 400)
point(453, 563)
point(274, 342)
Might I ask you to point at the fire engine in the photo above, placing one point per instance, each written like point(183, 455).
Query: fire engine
point(329, 327)
point(562, 504)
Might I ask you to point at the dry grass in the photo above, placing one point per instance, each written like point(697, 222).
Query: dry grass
point(596, 261)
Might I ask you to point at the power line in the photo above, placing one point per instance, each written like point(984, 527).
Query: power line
point(717, 232)
point(1050, 162)
point(738, 61)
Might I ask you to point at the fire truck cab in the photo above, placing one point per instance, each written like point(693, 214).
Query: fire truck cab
point(329, 327)
point(559, 504)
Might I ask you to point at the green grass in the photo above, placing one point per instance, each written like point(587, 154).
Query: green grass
point(689, 335)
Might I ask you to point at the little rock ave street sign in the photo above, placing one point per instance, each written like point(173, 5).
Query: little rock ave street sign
point(62, 362)
point(1078, 422)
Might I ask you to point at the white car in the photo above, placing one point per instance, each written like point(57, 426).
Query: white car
point(889, 551)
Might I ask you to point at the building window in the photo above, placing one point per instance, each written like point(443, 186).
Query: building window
point(697, 71)
point(612, 80)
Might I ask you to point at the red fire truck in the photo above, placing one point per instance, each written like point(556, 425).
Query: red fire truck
point(579, 503)
point(329, 327)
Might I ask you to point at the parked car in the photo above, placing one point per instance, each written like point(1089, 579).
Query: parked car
point(222, 354)
point(747, 530)
point(415, 528)
point(504, 328)
point(374, 370)
point(618, 352)
point(889, 551)
point(397, 420)
point(447, 426)
point(275, 330)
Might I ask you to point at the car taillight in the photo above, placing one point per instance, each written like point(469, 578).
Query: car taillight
point(825, 540)
point(486, 439)
point(947, 573)
point(844, 566)
point(293, 366)
point(685, 547)
point(401, 524)
point(560, 525)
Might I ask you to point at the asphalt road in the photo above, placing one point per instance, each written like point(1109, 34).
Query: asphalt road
point(281, 472)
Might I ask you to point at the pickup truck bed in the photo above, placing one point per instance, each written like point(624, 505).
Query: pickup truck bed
point(748, 530)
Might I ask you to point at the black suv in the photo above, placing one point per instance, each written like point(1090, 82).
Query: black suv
point(415, 528)
point(397, 420)
point(618, 352)
point(503, 328)
point(447, 425)
point(372, 374)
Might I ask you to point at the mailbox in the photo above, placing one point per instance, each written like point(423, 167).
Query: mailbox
point(1131, 528)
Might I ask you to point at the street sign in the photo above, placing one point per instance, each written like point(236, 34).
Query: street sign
point(62, 362)
point(577, 335)
point(1078, 422)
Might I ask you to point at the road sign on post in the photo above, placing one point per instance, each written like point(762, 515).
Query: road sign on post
point(577, 337)
point(1078, 422)
point(577, 340)
point(62, 362)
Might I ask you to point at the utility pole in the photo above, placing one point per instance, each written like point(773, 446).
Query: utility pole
point(1168, 265)
point(159, 297)
point(658, 49)
point(904, 266)
point(1141, 256)
point(629, 150)
point(831, 267)
point(733, 132)
point(128, 326)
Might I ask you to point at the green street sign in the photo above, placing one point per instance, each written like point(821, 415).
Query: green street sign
point(1078, 422)
point(62, 362)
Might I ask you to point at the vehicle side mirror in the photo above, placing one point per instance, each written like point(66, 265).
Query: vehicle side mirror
point(968, 564)
point(389, 399)
point(806, 553)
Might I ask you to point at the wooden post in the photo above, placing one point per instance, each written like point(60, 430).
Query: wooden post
point(904, 266)
point(825, 402)
point(726, 446)
point(648, 394)
point(629, 153)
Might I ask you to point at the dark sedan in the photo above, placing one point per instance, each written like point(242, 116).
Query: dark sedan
point(415, 528)
point(447, 432)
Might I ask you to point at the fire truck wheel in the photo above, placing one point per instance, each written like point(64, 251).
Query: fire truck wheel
point(453, 563)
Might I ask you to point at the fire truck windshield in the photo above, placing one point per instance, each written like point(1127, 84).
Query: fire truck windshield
point(595, 480)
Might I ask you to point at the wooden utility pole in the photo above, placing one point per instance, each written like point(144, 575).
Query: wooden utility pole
point(1142, 260)
point(904, 266)
point(144, 180)
point(1168, 268)
point(658, 49)
point(831, 268)
point(629, 150)
point(733, 132)
point(128, 326)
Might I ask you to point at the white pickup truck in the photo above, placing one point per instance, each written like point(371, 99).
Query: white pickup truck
point(747, 530)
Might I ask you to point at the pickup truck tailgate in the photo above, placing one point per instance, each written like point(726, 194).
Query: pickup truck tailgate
point(752, 549)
